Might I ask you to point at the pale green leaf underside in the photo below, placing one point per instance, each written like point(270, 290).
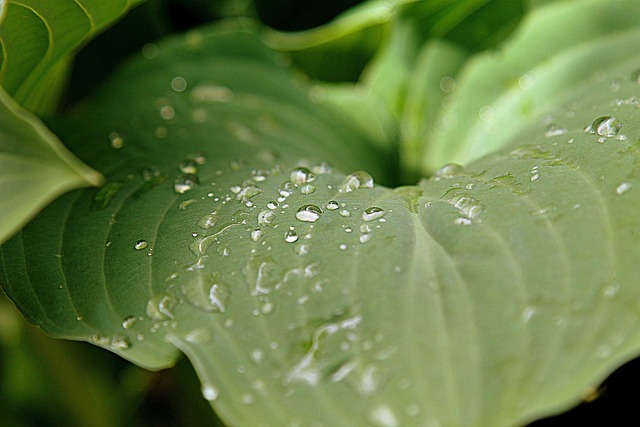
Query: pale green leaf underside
point(35, 167)
point(38, 39)
point(483, 299)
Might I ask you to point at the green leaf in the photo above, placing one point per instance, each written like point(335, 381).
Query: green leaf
point(501, 93)
point(38, 39)
point(486, 296)
point(35, 167)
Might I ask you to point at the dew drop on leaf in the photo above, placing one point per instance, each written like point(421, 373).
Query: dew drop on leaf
point(554, 130)
point(208, 221)
point(308, 213)
point(188, 166)
point(448, 171)
point(178, 84)
point(332, 205)
point(373, 213)
point(185, 182)
point(604, 126)
point(623, 188)
point(120, 342)
point(302, 176)
point(116, 141)
point(355, 181)
point(209, 392)
point(140, 244)
point(256, 235)
point(307, 189)
point(290, 236)
point(129, 322)
point(266, 217)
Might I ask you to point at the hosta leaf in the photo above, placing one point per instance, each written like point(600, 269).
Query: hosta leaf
point(38, 39)
point(500, 93)
point(35, 167)
point(486, 296)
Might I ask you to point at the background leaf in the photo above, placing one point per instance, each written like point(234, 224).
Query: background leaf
point(38, 39)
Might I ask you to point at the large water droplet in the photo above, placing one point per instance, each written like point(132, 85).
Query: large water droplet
point(185, 182)
point(309, 213)
point(604, 126)
point(355, 181)
point(373, 213)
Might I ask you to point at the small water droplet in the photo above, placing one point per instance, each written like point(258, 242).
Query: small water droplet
point(116, 141)
point(120, 342)
point(140, 244)
point(623, 188)
point(208, 221)
point(290, 236)
point(383, 416)
point(345, 213)
point(486, 113)
point(604, 126)
point(209, 392)
point(307, 189)
point(178, 84)
point(185, 182)
point(257, 355)
point(248, 192)
point(149, 51)
point(272, 205)
point(247, 398)
point(167, 112)
point(267, 307)
point(364, 238)
point(266, 217)
point(528, 313)
point(332, 205)
point(302, 176)
point(373, 213)
point(447, 84)
point(309, 213)
point(188, 166)
point(355, 181)
point(322, 168)
point(128, 322)
point(256, 235)
point(554, 130)
point(448, 171)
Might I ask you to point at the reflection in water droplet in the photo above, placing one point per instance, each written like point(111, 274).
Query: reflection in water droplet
point(373, 213)
point(604, 126)
point(140, 244)
point(332, 205)
point(355, 181)
point(209, 392)
point(309, 213)
point(185, 182)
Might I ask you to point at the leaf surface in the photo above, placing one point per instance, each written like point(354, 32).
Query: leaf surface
point(486, 296)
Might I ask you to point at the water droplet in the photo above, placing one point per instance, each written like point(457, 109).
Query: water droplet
point(309, 213)
point(188, 166)
point(355, 181)
point(167, 112)
point(266, 217)
point(343, 247)
point(287, 189)
point(486, 113)
point(120, 342)
point(267, 307)
point(373, 213)
point(383, 416)
point(257, 355)
point(447, 84)
point(345, 213)
point(448, 171)
point(211, 93)
point(247, 398)
point(140, 244)
point(129, 322)
point(161, 309)
point(322, 168)
point(178, 84)
point(208, 221)
point(149, 51)
point(528, 313)
point(209, 392)
point(116, 141)
point(272, 205)
point(185, 182)
point(364, 238)
point(290, 236)
point(526, 81)
point(462, 221)
point(185, 204)
point(307, 189)
point(554, 130)
point(332, 205)
point(302, 176)
point(256, 235)
point(604, 126)
point(248, 192)
point(635, 76)
point(623, 188)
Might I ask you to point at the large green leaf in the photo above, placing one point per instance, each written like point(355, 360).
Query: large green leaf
point(35, 167)
point(486, 296)
point(38, 39)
